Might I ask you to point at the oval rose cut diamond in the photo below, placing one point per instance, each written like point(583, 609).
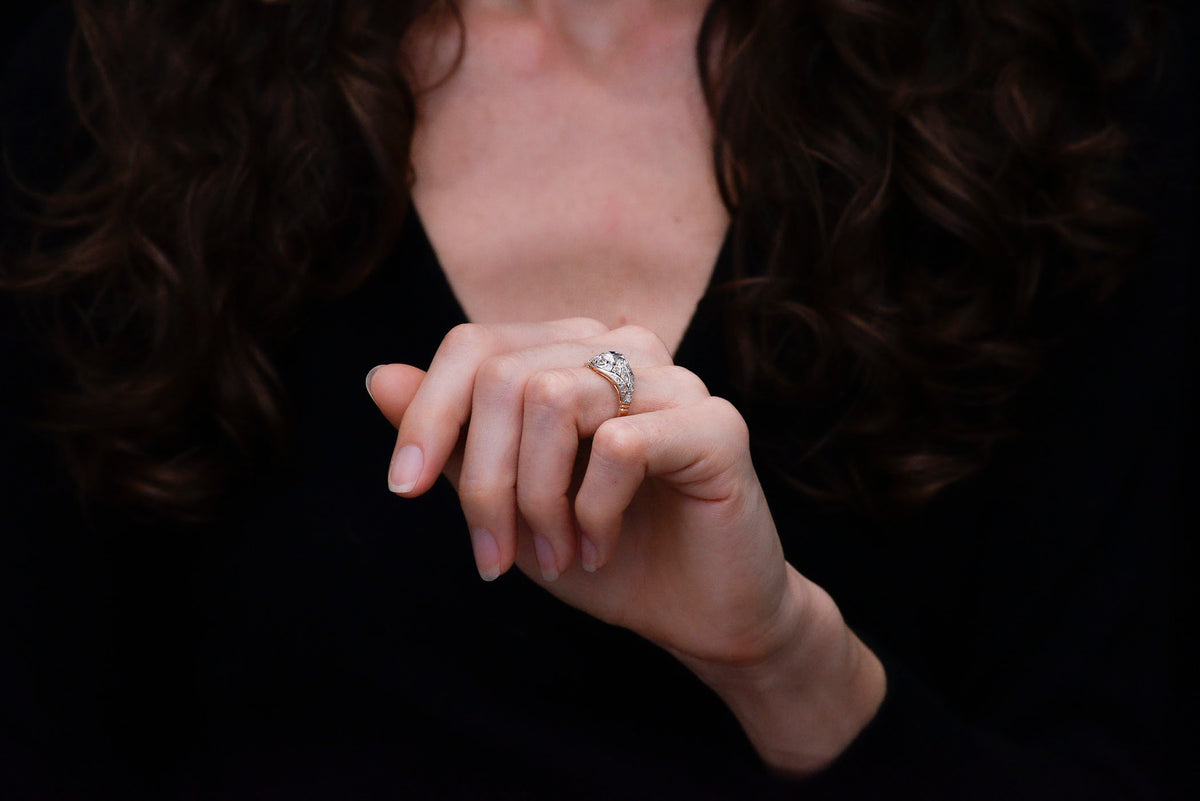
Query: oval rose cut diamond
point(614, 366)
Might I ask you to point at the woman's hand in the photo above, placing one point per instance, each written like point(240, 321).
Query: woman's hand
point(658, 524)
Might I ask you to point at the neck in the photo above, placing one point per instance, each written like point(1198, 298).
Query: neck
point(598, 27)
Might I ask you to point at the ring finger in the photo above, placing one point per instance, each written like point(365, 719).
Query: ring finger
point(563, 406)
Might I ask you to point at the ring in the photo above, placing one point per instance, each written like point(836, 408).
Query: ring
point(615, 368)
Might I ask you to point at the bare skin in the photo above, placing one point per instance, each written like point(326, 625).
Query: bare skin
point(569, 152)
point(563, 174)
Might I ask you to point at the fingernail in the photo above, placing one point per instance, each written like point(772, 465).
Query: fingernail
point(370, 375)
point(545, 557)
point(487, 553)
point(588, 555)
point(406, 469)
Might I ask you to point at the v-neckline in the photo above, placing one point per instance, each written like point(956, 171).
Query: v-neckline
point(695, 346)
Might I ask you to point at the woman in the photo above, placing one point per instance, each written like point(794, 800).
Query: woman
point(846, 256)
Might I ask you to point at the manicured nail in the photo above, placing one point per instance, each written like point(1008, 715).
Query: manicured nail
point(545, 557)
point(588, 555)
point(487, 553)
point(370, 375)
point(406, 469)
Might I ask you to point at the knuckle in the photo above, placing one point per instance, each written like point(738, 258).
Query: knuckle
point(500, 373)
point(618, 443)
point(648, 342)
point(591, 515)
point(552, 389)
point(688, 383)
point(544, 513)
point(469, 338)
point(430, 422)
point(535, 498)
point(586, 326)
point(586, 510)
point(728, 417)
point(477, 493)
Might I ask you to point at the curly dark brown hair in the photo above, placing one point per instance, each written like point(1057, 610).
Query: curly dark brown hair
point(913, 187)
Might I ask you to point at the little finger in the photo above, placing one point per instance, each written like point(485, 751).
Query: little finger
point(702, 450)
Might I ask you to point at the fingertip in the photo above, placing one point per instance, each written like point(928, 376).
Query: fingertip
point(487, 554)
point(507, 543)
point(371, 374)
point(589, 556)
point(405, 469)
point(597, 530)
point(546, 557)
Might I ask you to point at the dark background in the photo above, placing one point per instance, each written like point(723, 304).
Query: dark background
point(13, 22)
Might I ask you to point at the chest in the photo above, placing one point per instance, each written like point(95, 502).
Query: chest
point(550, 187)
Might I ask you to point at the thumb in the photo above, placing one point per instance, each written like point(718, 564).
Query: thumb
point(392, 387)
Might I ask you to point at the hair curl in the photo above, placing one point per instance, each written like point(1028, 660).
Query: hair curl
point(925, 192)
point(914, 188)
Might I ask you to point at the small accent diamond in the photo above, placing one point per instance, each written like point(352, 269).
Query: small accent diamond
point(616, 368)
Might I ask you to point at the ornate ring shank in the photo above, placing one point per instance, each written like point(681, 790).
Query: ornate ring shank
point(616, 371)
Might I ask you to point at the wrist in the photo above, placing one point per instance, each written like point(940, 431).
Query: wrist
point(805, 699)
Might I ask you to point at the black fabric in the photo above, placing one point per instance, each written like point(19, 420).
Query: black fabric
point(328, 640)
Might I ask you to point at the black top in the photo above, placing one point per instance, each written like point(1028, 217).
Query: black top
point(329, 640)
